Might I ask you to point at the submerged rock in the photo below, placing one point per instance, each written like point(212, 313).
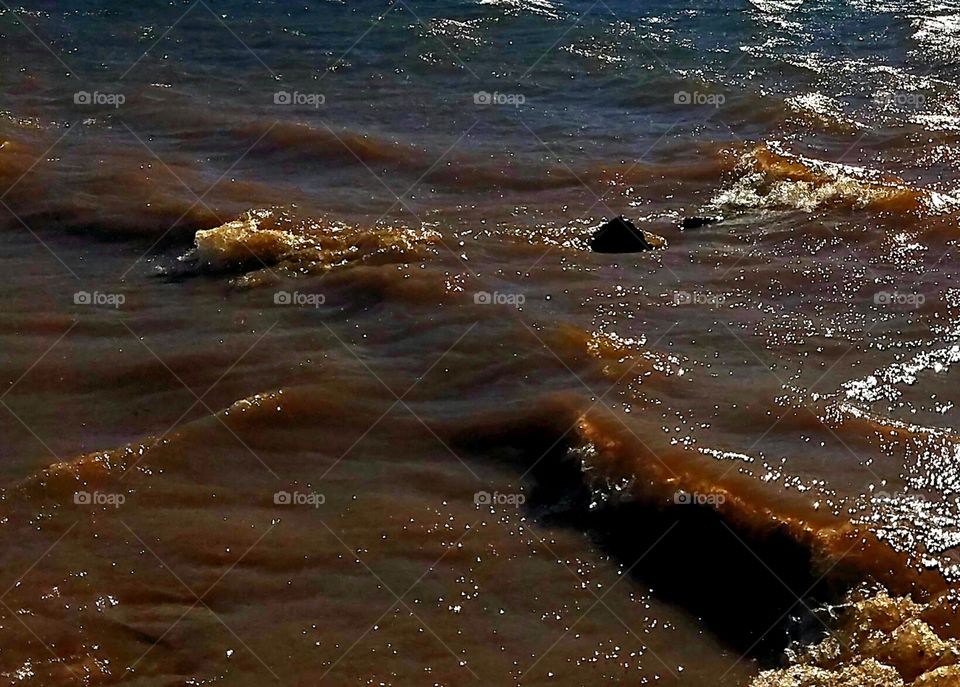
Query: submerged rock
point(622, 236)
point(696, 222)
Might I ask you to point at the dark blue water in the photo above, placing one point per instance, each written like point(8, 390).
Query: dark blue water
point(581, 85)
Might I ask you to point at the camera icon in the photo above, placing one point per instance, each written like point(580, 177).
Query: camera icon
point(282, 498)
point(282, 98)
point(282, 298)
point(82, 298)
point(682, 298)
point(482, 498)
point(482, 298)
point(882, 298)
point(682, 498)
point(82, 498)
point(82, 98)
point(682, 98)
point(482, 98)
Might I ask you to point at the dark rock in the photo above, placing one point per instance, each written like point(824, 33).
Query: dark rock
point(620, 236)
point(697, 222)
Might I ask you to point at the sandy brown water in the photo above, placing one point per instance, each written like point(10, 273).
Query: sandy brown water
point(479, 585)
point(397, 400)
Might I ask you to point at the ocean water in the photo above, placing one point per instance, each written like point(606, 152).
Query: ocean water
point(309, 375)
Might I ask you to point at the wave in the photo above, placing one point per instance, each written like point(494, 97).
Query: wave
point(735, 541)
point(824, 112)
point(281, 241)
point(111, 192)
point(303, 142)
point(888, 383)
point(708, 537)
point(769, 177)
point(879, 640)
point(543, 8)
point(468, 170)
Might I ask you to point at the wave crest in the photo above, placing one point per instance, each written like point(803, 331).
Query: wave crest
point(772, 178)
point(269, 238)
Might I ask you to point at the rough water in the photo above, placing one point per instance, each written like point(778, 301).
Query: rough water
point(309, 375)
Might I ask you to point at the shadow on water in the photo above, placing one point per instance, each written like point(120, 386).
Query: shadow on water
point(756, 592)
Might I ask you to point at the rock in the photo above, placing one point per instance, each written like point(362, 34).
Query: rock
point(622, 236)
point(697, 222)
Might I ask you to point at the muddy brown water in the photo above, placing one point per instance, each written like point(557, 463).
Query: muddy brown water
point(342, 397)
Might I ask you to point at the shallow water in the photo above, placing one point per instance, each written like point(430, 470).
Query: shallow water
point(291, 290)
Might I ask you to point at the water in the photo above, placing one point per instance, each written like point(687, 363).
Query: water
point(309, 375)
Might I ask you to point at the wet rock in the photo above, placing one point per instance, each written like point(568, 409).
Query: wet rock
point(622, 236)
point(697, 222)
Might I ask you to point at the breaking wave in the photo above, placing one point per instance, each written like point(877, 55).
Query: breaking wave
point(769, 177)
point(280, 241)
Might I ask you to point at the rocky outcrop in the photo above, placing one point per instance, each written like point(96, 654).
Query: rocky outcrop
point(622, 236)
